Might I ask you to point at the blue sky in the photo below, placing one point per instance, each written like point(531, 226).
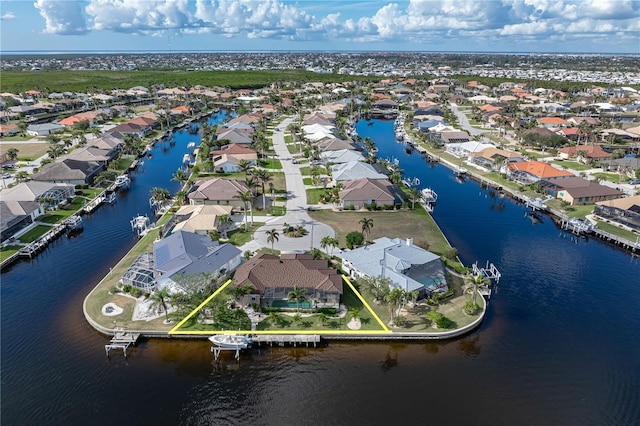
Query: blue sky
point(598, 26)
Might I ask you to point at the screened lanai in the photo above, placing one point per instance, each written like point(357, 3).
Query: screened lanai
point(141, 273)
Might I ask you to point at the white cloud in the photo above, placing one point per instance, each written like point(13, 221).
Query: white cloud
point(418, 21)
point(7, 16)
point(62, 17)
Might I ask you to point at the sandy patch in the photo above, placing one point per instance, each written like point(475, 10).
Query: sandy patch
point(111, 310)
point(354, 324)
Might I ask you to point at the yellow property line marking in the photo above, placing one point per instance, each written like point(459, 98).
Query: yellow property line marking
point(207, 300)
point(384, 330)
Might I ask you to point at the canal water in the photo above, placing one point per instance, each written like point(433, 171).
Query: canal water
point(559, 344)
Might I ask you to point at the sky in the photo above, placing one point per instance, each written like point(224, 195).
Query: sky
point(554, 26)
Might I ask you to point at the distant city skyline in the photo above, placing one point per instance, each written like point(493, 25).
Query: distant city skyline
point(509, 26)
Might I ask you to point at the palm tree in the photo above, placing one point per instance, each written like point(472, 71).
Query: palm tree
point(160, 196)
point(328, 242)
point(297, 294)
point(55, 151)
point(12, 153)
point(367, 224)
point(414, 195)
point(223, 223)
point(21, 176)
point(245, 166)
point(263, 177)
point(160, 298)
point(272, 237)
point(180, 176)
point(393, 298)
point(247, 199)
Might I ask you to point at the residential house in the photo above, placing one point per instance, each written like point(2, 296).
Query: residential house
point(408, 266)
point(451, 137)
point(528, 172)
point(273, 278)
point(360, 193)
point(201, 218)
point(578, 191)
point(355, 170)
point(334, 144)
point(44, 129)
point(70, 171)
point(227, 159)
point(236, 136)
point(17, 215)
point(552, 122)
point(465, 149)
point(584, 153)
point(622, 211)
point(493, 158)
point(218, 191)
point(185, 253)
point(627, 165)
point(341, 156)
point(8, 129)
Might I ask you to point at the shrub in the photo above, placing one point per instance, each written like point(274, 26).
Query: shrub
point(268, 310)
point(400, 321)
point(136, 292)
point(126, 288)
point(470, 308)
point(327, 311)
point(114, 289)
point(354, 238)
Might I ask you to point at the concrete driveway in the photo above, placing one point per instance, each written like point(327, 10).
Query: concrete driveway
point(296, 205)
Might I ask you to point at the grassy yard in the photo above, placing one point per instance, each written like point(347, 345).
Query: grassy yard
point(574, 165)
point(611, 177)
point(26, 151)
point(270, 163)
point(313, 195)
point(417, 224)
point(34, 233)
point(239, 237)
point(8, 251)
point(616, 230)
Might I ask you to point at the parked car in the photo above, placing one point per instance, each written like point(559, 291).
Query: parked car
point(6, 176)
point(634, 182)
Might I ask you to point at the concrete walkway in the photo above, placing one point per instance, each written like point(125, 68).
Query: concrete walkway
point(296, 205)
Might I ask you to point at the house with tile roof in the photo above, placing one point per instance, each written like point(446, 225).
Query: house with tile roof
point(68, 170)
point(493, 158)
point(408, 266)
point(584, 153)
point(218, 191)
point(360, 193)
point(528, 172)
point(341, 156)
point(553, 122)
point(201, 218)
point(227, 159)
point(16, 215)
point(273, 278)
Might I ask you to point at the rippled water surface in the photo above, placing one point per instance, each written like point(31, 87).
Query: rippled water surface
point(559, 345)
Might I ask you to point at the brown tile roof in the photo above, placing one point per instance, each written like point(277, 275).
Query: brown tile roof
point(592, 151)
point(218, 189)
point(268, 271)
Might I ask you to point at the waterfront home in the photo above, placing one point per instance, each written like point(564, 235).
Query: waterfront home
point(355, 170)
point(465, 149)
point(360, 193)
point(493, 158)
point(622, 211)
point(17, 215)
point(92, 154)
point(332, 143)
point(408, 266)
point(68, 170)
point(200, 219)
point(185, 253)
point(218, 191)
point(528, 172)
point(578, 191)
point(236, 136)
point(626, 165)
point(273, 278)
point(227, 159)
point(341, 156)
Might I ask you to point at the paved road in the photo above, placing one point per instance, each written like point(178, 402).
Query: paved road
point(463, 121)
point(296, 205)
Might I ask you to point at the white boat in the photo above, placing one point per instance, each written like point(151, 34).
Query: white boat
point(429, 195)
point(231, 341)
point(122, 181)
point(460, 171)
point(140, 225)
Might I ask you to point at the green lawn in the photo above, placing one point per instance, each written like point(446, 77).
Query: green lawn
point(615, 230)
point(8, 251)
point(313, 195)
point(270, 163)
point(239, 237)
point(611, 177)
point(34, 233)
point(574, 165)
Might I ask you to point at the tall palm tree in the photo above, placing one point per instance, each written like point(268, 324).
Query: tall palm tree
point(263, 177)
point(247, 199)
point(298, 294)
point(393, 298)
point(160, 298)
point(272, 237)
point(414, 195)
point(367, 224)
point(159, 196)
point(180, 176)
point(224, 221)
point(329, 242)
point(245, 166)
point(12, 153)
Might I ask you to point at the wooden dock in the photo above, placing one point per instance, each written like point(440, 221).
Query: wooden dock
point(286, 339)
point(121, 339)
